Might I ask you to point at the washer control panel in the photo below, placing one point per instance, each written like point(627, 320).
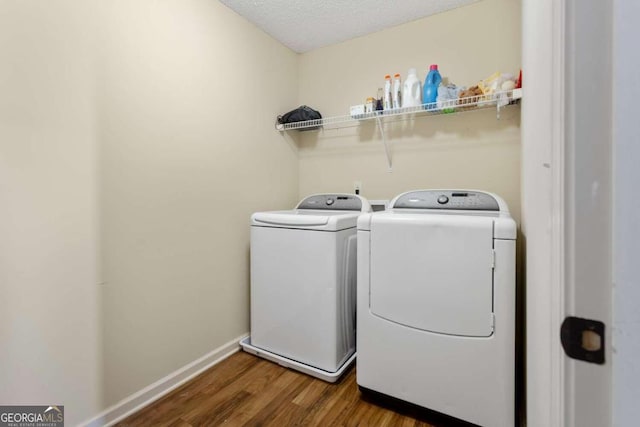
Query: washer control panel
point(334, 202)
point(447, 199)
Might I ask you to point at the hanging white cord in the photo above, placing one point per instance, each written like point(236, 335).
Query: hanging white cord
point(384, 142)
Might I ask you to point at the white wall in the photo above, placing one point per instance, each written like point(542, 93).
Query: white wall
point(626, 128)
point(189, 92)
point(471, 150)
point(136, 138)
point(49, 312)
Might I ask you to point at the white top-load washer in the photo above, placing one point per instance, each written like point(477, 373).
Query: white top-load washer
point(436, 304)
point(303, 284)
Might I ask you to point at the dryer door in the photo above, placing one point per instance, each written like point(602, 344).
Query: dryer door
point(433, 272)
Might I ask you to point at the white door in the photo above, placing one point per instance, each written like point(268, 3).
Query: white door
point(433, 272)
point(294, 295)
point(567, 205)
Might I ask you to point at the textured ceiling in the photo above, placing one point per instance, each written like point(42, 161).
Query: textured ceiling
point(304, 25)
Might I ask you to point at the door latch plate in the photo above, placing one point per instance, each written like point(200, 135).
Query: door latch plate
point(583, 339)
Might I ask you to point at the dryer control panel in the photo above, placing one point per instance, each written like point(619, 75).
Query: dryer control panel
point(333, 202)
point(447, 199)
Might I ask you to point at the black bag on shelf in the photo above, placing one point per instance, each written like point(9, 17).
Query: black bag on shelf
point(300, 114)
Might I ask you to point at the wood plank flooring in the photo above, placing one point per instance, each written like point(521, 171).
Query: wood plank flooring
point(245, 390)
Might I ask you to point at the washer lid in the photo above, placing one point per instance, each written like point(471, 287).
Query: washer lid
point(433, 272)
point(323, 212)
point(306, 219)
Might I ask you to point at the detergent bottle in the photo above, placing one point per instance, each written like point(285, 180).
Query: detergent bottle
point(388, 96)
point(411, 91)
point(431, 83)
point(397, 91)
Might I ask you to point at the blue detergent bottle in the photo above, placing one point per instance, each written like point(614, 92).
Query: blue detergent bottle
point(430, 89)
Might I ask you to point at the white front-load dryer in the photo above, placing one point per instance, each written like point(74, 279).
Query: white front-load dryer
point(303, 284)
point(436, 304)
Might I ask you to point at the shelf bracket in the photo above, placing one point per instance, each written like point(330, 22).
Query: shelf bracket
point(384, 143)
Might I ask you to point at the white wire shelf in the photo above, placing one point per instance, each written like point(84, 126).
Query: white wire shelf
point(496, 100)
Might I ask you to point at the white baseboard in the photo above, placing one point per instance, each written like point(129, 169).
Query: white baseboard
point(155, 391)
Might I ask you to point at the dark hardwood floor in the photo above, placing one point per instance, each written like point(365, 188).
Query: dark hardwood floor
point(245, 390)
